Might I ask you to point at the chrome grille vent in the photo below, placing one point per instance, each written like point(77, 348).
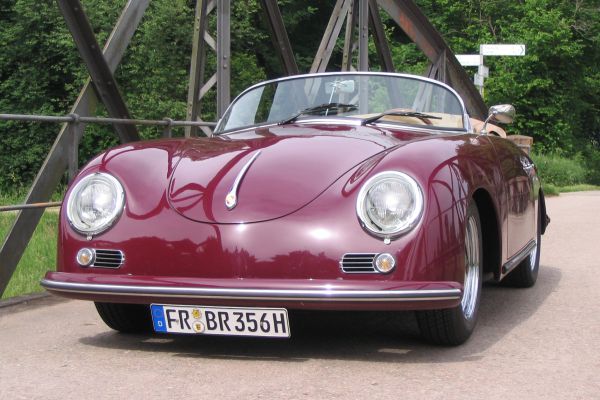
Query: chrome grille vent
point(358, 263)
point(108, 258)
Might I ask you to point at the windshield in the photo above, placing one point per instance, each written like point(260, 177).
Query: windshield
point(403, 100)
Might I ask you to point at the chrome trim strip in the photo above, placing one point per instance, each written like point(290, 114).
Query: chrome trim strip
point(231, 198)
point(254, 294)
point(517, 258)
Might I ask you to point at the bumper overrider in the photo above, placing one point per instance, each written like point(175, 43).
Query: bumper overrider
point(305, 294)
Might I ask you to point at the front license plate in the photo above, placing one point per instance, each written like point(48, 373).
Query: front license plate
point(271, 322)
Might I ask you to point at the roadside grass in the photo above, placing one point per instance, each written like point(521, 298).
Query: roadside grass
point(553, 190)
point(583, 187)
point(39, 257)
point(550, 189)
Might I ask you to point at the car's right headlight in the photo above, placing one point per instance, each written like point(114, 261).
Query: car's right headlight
point(95, 203)
point(390, 203)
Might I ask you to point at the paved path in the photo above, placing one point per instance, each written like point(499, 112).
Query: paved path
point(539, 343)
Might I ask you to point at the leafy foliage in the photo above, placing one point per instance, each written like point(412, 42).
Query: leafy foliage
point(555, 87)
point(560, 171)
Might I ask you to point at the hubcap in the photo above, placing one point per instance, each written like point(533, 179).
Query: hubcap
point(472, 261)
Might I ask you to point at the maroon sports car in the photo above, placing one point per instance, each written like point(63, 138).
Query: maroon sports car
point(335, 191)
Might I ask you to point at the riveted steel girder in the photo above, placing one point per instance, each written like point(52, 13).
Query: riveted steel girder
point(197, 65)
point(223, 55)
point(416, 25)
point(279, 36)
point(381, 43)
point(102, 77)
point(49, 175)
point(332, 31)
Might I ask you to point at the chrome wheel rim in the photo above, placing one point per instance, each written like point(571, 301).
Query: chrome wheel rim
point(472, 262)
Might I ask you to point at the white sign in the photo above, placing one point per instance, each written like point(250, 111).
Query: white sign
point(469, 60)
point(502, 49)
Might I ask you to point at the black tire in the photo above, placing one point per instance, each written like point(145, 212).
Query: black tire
point(453, 326)
point(126, 318)
point(525, 274)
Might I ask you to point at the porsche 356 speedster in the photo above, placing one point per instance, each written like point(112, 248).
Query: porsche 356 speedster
point(335, 191)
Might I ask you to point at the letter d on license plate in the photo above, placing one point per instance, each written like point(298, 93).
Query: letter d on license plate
point(272, 322)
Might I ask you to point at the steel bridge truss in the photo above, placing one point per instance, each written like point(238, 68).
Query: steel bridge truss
point(359, 17)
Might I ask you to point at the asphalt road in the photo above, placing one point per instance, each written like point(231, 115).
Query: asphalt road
point(538, 343)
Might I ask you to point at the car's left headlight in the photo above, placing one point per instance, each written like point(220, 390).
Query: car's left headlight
point(95, 203)
point(390, 203)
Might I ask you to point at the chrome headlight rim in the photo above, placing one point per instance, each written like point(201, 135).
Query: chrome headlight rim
point(415, 215)
point(119, 196)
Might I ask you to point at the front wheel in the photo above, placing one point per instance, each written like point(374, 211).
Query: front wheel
point(126, 318)
point(453, 326)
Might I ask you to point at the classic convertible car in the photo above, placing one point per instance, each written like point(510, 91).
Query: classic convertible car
point(335, 191)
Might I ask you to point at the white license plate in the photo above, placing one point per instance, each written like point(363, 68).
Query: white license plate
point(271, 322)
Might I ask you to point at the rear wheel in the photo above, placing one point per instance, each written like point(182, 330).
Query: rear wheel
point(126, 318)
point(453, 326)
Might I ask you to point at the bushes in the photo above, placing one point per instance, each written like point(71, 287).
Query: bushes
point(560, 171)
point(591, 158)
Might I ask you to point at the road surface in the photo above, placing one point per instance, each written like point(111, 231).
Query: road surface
point(538, 343)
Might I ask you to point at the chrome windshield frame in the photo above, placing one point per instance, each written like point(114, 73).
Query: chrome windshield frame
point(465, 115)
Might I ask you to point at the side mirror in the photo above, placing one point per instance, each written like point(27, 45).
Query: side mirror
point(503, 113)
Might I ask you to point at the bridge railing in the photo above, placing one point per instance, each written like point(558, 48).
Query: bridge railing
point(72, 120)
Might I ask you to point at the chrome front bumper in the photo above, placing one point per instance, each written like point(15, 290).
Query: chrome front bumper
point(350, 294)
point(253, 294)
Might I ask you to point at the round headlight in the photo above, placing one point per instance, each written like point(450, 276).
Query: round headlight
point(95, 203)
point(390, 203)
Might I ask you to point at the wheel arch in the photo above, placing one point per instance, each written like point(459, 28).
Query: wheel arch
point(490, 231)
point(542, 209)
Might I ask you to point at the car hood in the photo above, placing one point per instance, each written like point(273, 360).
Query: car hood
point(279, 170)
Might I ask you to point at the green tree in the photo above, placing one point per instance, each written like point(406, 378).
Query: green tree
point(555, 87)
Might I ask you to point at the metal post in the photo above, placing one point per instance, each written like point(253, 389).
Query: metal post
point(437, 70)
point(363, 35)
point(279, 36)
point(101, 75)
point(52, 170)
point(75, 131)
point(168, 129)
point(223, 55)
point(196, 67)
point(340, 10)
point(349, 36)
